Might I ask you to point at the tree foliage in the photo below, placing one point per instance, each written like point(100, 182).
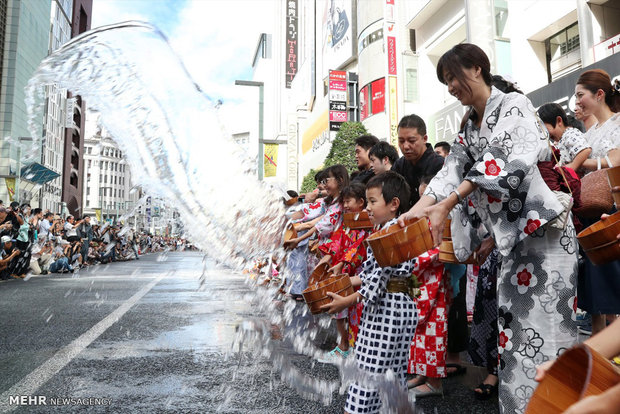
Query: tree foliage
point(342, 152)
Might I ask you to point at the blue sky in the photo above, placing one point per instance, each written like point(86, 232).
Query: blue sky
point(215, 39)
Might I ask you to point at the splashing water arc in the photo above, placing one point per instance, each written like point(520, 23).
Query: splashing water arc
point(169, 130)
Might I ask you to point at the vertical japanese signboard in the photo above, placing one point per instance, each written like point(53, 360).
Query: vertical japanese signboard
point(337, 99)
point(290, 64)
point(392, 69)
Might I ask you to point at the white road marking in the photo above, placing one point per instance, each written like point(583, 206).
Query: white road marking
point(31, 383)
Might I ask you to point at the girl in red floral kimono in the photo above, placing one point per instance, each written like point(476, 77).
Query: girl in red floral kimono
point(345, 252)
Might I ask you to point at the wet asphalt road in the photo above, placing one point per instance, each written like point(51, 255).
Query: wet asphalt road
point(153, 336)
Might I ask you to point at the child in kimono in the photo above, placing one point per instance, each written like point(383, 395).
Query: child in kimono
point(345, 252)
point(427, 356)
point(389, 317)
point(573, 147)
point(329, 207)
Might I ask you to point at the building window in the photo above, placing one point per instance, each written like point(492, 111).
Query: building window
point(563, 52)
point(411, 85)
point(87, 191)
point(564, 42)
point(501, 19)
point(87, 203)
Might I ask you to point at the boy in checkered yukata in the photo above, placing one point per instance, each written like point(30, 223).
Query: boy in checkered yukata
point(389, 319)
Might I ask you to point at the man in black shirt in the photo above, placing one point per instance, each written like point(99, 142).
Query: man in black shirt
point(363, 144)
point(418, 160)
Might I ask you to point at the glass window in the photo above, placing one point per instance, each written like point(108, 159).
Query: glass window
point(501, 19)
point(412, 85)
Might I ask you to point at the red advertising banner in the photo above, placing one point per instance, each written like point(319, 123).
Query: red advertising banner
point(339, 75)
point(338, 116)
point(391, 53)
point(364, 103)
point(337, 99)
point(336, 85)
point(377, 96)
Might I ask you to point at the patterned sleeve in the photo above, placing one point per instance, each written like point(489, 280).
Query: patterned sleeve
point(452, 172)
point(513, 149)
point(330, 221)
point(354, 254)
point(575, 142)
point(313, 210)
point(334, 244)
point(375, 278)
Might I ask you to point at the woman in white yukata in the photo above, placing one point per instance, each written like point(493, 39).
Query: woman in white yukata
point(495, 160)
point(599, 286)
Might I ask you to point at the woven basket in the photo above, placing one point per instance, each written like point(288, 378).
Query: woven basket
point(595, 195)
point(613, 175)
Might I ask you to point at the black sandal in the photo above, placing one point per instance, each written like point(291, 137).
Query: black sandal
point(488, 391)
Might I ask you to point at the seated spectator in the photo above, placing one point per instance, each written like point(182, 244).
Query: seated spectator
point(8, 258)
point(382, 156)
point(41, 258)
point(71, 229)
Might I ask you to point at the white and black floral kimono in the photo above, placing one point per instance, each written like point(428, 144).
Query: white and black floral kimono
point(537, 283)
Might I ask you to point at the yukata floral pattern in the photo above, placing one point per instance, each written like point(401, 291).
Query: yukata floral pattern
point(427, 355)
point(330, 221)
point(386, 329)
point(483, 339)
point(536, 283)
point(571, 144)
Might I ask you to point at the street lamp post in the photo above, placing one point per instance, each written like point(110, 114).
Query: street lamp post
point(19, 166)
point(261, 95)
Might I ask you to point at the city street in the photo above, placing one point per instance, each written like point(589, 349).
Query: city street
point(142, 336)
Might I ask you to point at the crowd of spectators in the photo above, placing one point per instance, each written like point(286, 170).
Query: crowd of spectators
point(34, 242)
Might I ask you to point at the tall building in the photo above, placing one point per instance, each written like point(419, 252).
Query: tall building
point(346, 60)
point(107, 192)
point(73, 164)
point(25, 26)
point(56, 119)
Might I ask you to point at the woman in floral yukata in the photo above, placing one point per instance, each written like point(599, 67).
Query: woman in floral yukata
point(495, 160)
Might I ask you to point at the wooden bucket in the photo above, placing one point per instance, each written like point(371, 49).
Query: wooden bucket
point(357, 220)
point(316, 295)
point(318, 274)
point(395, 245)
point(289, 233)
point(291, 201)
point(599, 241)
point(613, 175)
point(576, 374)
point(446, 248)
